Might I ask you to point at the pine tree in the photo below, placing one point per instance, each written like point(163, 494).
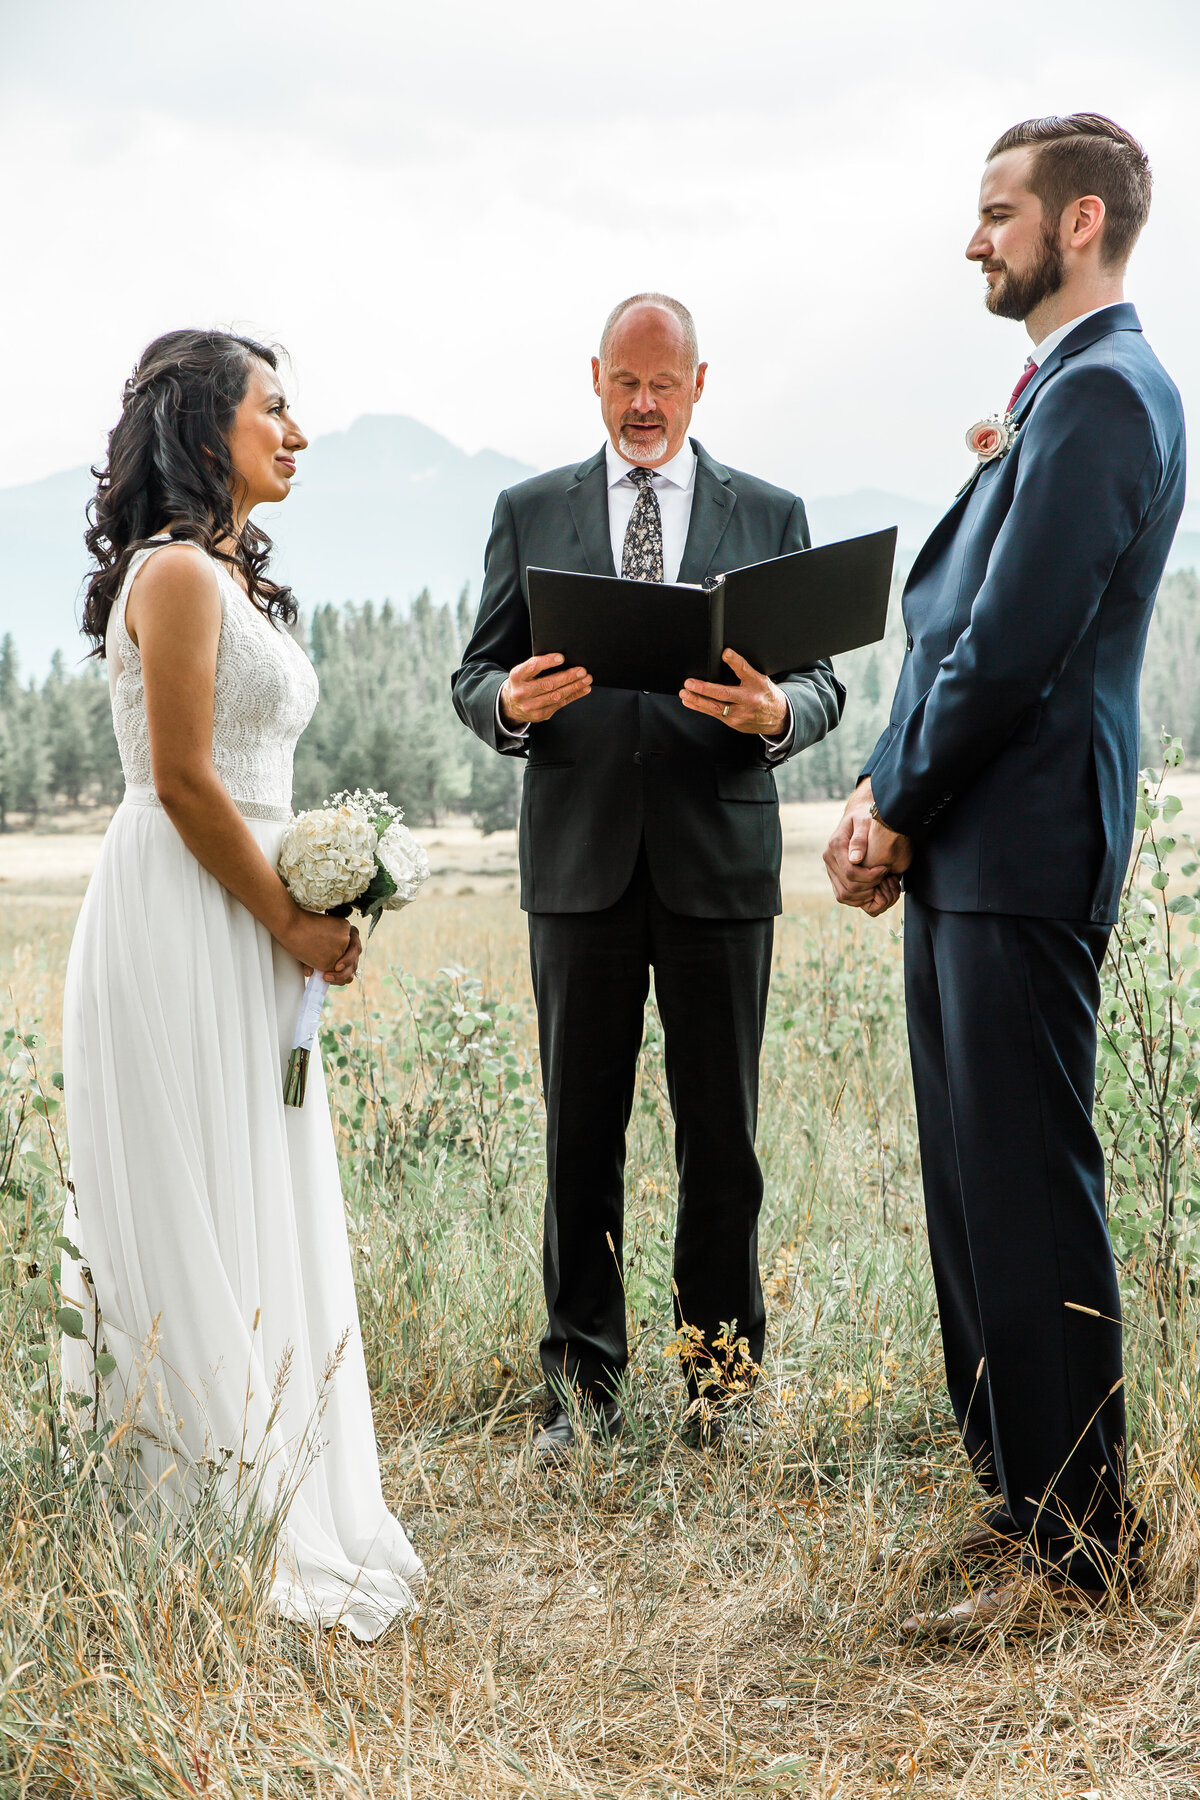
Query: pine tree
point(9, 671)
point(66, 714)
point(385, 719)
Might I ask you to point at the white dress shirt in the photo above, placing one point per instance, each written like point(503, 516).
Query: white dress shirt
point(1038, 355)
point(674, 485)
point(674, 489)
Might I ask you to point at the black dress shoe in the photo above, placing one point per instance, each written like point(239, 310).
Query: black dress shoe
point(735, 1424)
point(610, 1423)
point(555, 1442)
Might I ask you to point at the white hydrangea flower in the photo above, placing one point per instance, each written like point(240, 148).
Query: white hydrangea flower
point(406, 862)
point(328, 857)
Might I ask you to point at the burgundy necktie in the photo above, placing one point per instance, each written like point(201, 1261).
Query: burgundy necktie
point(1027, 375)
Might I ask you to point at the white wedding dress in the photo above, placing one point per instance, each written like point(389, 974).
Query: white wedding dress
point(209, 1214)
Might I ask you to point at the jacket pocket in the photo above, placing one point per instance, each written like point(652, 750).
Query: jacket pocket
point(756, 785)
point(566, 762)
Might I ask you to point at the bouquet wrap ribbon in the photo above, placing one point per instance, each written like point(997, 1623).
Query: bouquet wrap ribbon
point(295, 1082)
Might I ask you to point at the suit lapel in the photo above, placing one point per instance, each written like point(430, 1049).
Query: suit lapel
point(588, 501)
point(1110, 319)
point(713, 501)
point(1121, 317)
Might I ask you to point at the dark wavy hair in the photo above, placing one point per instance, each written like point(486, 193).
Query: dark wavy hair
point(169, 469)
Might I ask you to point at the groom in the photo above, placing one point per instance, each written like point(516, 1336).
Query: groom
point(649, 839)
point(1003, 791)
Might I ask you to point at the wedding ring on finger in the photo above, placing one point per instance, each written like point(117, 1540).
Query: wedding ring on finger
point(725, 710)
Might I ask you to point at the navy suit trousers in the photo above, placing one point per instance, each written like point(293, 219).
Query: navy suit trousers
point(1002, 1031)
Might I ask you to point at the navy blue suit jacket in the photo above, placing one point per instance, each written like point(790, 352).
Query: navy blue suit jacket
point(1011, 755)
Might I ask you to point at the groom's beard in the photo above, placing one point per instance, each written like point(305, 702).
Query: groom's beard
point(1015, 294)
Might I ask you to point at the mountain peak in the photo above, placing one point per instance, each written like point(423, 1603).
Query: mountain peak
point(398, 445)
point(382, 509)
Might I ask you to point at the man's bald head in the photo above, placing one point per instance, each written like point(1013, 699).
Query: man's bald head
point(648, 377)
point(643, 303)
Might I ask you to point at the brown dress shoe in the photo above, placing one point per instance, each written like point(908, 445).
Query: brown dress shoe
point(1024, 1605)
point(984, 1541)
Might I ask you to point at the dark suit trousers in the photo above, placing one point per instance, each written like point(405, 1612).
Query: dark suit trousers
point(1002, 1030)
point(591, 975)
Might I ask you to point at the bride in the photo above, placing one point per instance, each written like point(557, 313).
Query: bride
point(209, 1215)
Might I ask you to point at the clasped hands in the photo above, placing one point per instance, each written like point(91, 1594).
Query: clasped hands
point(538, 688)
point(864, 858)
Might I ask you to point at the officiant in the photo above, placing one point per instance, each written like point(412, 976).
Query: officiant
point(649, 839)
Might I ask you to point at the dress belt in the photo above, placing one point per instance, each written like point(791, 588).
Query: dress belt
point(137, 795)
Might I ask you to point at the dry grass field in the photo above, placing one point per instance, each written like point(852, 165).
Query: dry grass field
point(658, 1621)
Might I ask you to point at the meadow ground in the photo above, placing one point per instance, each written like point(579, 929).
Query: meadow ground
point(657, 1621)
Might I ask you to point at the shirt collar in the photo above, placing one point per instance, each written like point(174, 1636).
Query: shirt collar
point(680, 472)
point(1051, 343)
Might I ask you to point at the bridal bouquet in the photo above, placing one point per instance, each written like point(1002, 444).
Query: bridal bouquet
point(354, 854)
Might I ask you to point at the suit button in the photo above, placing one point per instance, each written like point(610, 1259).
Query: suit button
point(637, 756)
point(908, 640)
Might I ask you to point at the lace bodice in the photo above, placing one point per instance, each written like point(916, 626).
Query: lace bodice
point(264, 696)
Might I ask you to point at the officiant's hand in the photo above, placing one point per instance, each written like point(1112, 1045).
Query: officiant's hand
point(538, 688)
point(755, 705)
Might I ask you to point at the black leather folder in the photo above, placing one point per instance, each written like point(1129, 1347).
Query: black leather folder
point(783, 614)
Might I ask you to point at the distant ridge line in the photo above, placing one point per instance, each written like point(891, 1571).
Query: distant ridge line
point(383, 508)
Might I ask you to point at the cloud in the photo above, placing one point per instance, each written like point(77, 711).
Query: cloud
point(434, 207)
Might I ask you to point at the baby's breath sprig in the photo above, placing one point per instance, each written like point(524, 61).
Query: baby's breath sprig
point(379, 809)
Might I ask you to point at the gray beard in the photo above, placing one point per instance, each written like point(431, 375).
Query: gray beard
point(636, 450)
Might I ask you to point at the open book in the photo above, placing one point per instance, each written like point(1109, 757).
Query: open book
point(783, 614)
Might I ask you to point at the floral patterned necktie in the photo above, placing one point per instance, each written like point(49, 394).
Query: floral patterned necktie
point(642, 555)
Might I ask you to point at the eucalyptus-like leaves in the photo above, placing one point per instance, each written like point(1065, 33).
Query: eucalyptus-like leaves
point(1148, 1076)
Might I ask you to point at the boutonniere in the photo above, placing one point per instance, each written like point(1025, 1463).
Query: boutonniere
point(994, 437)
point(990, 440)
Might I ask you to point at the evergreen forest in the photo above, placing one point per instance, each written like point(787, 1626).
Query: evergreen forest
point(385, 719)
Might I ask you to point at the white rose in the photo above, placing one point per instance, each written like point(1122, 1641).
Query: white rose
point(328, 857)
point(406, 862)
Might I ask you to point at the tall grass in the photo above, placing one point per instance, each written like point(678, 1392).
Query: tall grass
point(655, 1620)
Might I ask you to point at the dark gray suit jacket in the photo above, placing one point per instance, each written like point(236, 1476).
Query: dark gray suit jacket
point(618, 765)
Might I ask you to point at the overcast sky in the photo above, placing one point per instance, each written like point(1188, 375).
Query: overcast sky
point(433, 206)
